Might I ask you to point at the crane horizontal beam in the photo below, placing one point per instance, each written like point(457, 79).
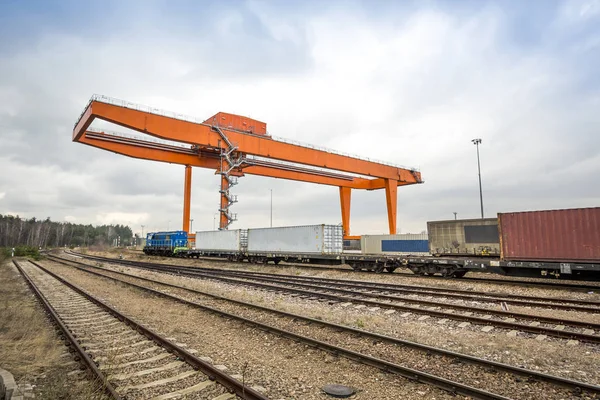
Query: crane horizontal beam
point(180, 130)
point(142, 149)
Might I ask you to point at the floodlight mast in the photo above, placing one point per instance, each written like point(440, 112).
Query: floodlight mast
point(477, 142)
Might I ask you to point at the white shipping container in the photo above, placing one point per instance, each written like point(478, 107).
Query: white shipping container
point(222, 241)
point(318, 239)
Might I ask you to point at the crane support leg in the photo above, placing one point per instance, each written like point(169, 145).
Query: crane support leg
point(391, 198)
point(223, 220)
point(187, 198)
point(345, 193)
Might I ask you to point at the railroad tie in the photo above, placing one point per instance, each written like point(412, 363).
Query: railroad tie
point(93, 347)
point(157, 383)
point(172, 365)
point(145, 360)
point(182, 392)
point(226, 396)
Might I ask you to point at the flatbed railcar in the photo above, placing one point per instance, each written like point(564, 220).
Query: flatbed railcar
point(455, 267)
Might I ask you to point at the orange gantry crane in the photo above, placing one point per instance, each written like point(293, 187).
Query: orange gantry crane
point(235, 146)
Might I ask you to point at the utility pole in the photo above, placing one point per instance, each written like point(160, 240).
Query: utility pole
point(271, 207)
point(477, 142)
point(455, 215)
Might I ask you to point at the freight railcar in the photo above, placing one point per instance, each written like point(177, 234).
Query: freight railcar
point(559, 243)
point(166, 243)
point(308, 243)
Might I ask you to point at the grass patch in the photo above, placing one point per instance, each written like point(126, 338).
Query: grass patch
point(30, 348)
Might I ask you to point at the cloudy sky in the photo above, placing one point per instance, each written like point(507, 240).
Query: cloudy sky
point(407, 82)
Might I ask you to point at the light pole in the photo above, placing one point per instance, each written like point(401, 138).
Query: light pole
point(455, 215)
point(271, 207)
point(143, 230)
point(477, 142)
point(191, 225)
point(214, 221)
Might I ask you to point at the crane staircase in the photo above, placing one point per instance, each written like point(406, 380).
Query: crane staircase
point(230, 160)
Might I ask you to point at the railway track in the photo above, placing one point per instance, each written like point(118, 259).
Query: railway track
point(131, 361)
point(509, 281)
point(548, 326)
point(509, 381)
point(382, 288)
point(522, 300)
point(454, 294)
point(395, 293)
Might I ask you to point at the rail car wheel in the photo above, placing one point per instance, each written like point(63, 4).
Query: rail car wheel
point(447, 273)
point(355, 266)
point(417, 269)
point(378, 268)
point(459, 274)
point(390, 269)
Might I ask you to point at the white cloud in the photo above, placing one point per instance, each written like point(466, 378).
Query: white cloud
point(410, 87)
point(131, 219)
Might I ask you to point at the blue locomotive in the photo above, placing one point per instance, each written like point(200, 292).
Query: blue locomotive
point(165, 243)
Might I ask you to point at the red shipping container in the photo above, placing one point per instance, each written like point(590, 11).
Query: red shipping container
point(238, 123)
point(571, 235)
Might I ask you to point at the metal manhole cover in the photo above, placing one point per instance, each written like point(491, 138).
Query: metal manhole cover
point(339, 391)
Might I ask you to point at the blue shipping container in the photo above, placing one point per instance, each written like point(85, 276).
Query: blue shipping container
point(405, 246)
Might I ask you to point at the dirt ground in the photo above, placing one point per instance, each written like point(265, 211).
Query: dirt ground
point(30, 348)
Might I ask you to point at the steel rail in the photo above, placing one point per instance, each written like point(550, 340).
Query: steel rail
point(548, 320)
point(409, 373)
point(233, 385)
point(463, 357)
point(469, 318)
point(457, 293)
point(404, 289)
point(506, 297)
point(444, 292)
point(538, 284)
point(279, 279)
point(108, 388)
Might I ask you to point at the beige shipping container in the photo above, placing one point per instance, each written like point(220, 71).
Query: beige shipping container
point(467, 237)
point(402, 244)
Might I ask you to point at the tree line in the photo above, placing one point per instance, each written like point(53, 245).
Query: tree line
point(15, 231)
